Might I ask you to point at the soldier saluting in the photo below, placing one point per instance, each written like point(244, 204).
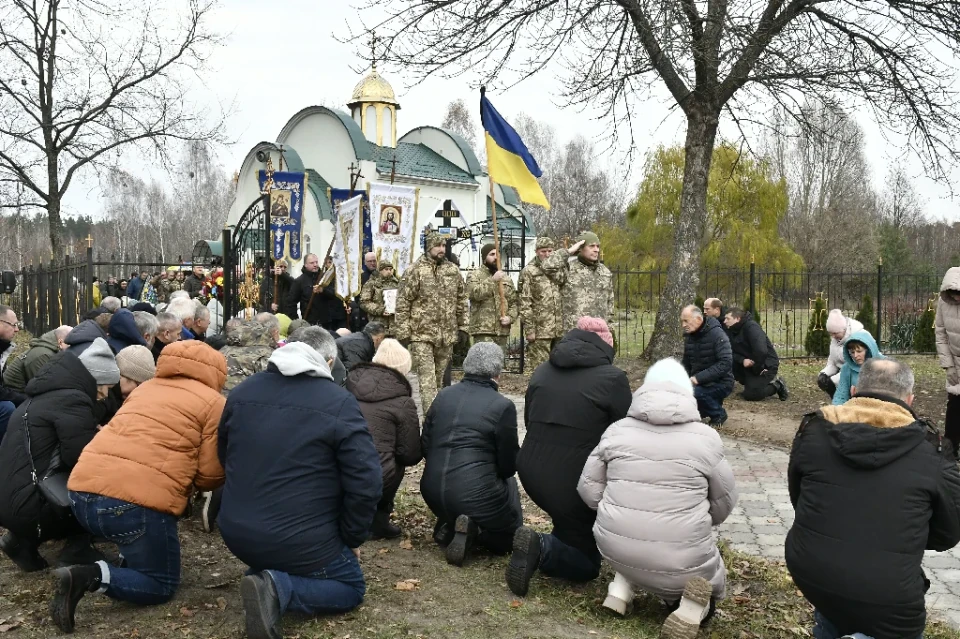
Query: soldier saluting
point(431, 309)
point(586, 285)
point(487, 323)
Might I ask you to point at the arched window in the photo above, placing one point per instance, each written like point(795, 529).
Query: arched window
point(306, 244)
point(371, 127)
point(387, 127)
point(356, 115)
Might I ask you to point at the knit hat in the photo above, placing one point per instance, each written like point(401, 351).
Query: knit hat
point(284, 324)
point(99, 361)
point(588, 237)
point(433, 239)
point(671, 371)
point(836, 322)
point(136, 363)
point(596, 325)
point(393, 355)
point(485, 251)
point(545, 242)
point(484, 359)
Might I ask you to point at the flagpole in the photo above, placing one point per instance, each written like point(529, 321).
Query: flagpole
point(493, 210)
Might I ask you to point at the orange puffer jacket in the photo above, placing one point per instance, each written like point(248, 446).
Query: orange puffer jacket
point(164, 438)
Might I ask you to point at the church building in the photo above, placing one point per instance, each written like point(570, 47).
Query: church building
point(332, 146)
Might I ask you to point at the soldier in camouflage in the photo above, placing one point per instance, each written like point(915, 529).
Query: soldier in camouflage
point(487, 323)
point(540, 308)
point(248, 349)
point(431, 309)
point(371, 296)
point(586, 285)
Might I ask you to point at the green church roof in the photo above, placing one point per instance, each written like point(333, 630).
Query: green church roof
point(418, 160)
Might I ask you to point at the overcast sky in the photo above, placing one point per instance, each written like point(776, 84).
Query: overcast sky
point(283, 57)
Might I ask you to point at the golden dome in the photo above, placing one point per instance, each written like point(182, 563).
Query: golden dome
point(374, 88)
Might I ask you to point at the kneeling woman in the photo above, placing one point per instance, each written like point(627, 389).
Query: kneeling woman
point(132, 481)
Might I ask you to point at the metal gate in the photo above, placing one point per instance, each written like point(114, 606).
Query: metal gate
point(246, 252)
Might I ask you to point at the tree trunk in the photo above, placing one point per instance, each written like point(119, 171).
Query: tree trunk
point(55, 224)
point(683, 274)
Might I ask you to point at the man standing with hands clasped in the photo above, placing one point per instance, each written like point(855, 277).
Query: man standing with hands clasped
point(488, 322)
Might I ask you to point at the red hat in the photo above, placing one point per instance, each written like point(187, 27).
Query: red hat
point(598, 326)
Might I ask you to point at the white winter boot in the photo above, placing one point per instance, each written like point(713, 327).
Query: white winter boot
point(619, 595)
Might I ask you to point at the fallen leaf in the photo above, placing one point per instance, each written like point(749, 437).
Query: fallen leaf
point(406, 544)
point(7, 627)
point(407, 584)
point(186, 612)
point(516, 603)
point(221, 603)
point(384, 551)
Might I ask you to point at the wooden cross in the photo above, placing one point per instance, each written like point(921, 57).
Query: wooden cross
point(355, 176)
point(89, 241)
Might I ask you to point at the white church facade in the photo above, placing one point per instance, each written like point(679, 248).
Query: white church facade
point(330, 146)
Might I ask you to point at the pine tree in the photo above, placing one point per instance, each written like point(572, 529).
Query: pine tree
point(866, 315)
point(817, 341)
point(925, 337)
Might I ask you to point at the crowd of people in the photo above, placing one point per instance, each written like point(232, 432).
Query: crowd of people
point(113, 429)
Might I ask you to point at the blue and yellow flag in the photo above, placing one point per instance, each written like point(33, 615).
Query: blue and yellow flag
point(508, 160)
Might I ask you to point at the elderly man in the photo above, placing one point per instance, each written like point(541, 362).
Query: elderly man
point(586, 285)
point(431, 311)
point(9, 398)
point(147, 326)
point(303, 550)
point(489, 321)
point(541, 309)
point(22, 368)
point(709, 361)
point(186, 312)
point(169, 330)
point(201, 322)
point(306, 294)
point(873, 487)
point(359, 348)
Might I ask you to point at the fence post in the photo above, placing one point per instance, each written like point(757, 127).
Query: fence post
point(523, 263)
point(89, 277)
point(879, 300)
point(753, 287)
point(228, 291)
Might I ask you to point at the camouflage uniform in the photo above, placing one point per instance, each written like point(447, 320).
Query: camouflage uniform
point(371, 297)
point(248, 349)
point(484, 295)
point(431, 309)
point(585, 289)
point(541, 310)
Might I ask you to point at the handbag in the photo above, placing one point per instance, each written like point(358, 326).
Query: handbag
point(53, 484)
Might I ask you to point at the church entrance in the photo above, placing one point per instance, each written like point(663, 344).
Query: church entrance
point(246, 258)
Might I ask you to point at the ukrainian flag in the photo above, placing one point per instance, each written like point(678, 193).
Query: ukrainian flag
point(508, 160)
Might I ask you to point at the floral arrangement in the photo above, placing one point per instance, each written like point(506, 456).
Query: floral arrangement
point(213, 286)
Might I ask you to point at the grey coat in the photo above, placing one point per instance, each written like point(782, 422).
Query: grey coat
point(659, 482)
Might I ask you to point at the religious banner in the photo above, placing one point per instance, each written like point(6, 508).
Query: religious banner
point(286, 212)
point(347, 251)
point(393, 213)
point(338, 196)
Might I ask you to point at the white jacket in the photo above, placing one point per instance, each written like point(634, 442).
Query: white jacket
point(948, 329)
point(659, 482)
point(835, 359)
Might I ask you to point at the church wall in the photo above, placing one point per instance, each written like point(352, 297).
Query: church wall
point(439, 142)
point(324, 146)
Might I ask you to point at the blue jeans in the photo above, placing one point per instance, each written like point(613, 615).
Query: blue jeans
point(710, 400)
point(148, 543)
point(824, 629)
point(338, 587)
point(6, 410)
point(562, 561)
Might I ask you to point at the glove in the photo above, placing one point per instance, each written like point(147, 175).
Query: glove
point(952, 377)
point(822, 379)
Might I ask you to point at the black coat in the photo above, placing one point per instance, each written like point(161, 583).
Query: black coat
point(707, 355)
point(8, 394)
point(60, 411)
point(303, 475)
point(748, 341)
point(301, 292)
point(868, 501)
point(570, 402)
point(284, 284)
point(355, 348)
point(192, 285)
point(470, 446)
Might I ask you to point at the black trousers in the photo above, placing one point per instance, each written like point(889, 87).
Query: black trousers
point(756, 387)
point(951, 423)
point(390, 489)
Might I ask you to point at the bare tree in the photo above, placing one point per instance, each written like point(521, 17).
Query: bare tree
point(459, 120)
point(900, 205)
point(714, 57)
point(81, 81)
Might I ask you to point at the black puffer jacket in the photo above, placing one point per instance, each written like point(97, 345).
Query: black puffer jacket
point(707, 355)
point(569, 404)
point(301, 292)
point(748, 341)
point(873, 487)
point(60, 409)
point(470, 446)
point(355, 348)
point(387, 404)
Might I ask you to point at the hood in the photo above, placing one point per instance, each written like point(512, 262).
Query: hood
point(251, 333)
point(123, 331)
point(193, 360)
point(83, 335)
point(663, 404)
point(736, 328)
point(951, 282)
point(377, 383)
point(872, 431)
point(867, 340)
point(581, 349)
point(296, 358)
point(46, 341)
point(63, 371)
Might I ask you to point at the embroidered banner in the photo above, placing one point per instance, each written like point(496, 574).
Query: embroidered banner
point(286, 212)
point(347, 251)
point(393, 213)
point(338, 196)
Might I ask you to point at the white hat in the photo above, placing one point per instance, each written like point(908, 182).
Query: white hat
point(671, 371)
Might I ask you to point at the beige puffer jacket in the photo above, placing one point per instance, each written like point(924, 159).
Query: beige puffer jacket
point(659, 482)
point(948, 330)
